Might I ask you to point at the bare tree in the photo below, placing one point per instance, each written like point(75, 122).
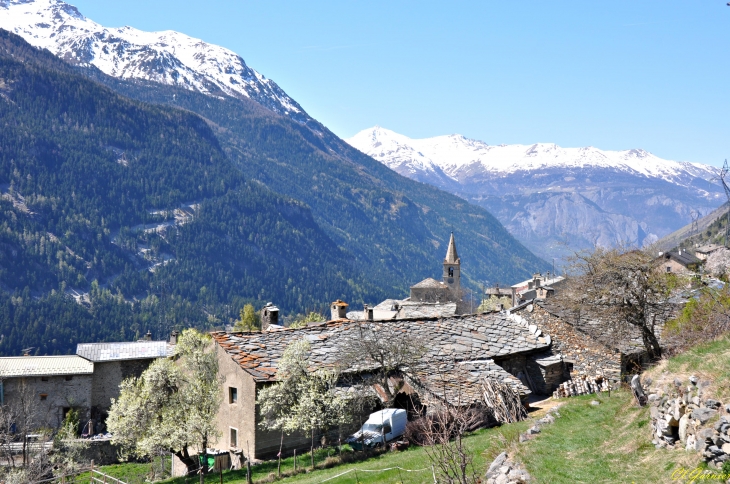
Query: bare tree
point(382, 350)
point(624, 289)
point(20, 422)
point(443, 429)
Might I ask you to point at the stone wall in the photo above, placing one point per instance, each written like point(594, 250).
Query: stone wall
point(108, 375)
point(583, 354)
point(53, 395)
point(683, 418)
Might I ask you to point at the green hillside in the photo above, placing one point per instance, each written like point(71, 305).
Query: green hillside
point(395, 228)
point(84, 171)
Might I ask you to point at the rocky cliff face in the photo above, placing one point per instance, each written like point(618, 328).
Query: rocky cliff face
point(556, 200)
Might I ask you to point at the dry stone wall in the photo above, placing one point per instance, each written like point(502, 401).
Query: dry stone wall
point(683, 418)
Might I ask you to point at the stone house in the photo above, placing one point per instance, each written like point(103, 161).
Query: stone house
point(485, 345)
point(115, 362)
point(704, 251)
point(56, 383)
point(678, 262)
point(539, 287)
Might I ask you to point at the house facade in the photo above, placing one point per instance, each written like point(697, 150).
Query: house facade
point(52, 385)
point(86, 382)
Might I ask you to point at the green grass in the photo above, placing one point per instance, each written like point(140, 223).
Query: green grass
point(709, 361)
point(129, 472)
point(485, 445)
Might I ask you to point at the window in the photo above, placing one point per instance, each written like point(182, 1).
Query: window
point(232, 394)
point(234, 437)
point(386, 428)
point(44, 378)
point(669, 269)
point(44, 396)
point(69, 377)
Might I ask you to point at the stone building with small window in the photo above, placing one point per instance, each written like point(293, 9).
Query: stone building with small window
point(678, 262)
point(85, 382)
point(54, 384)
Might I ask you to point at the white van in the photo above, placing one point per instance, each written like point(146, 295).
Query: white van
point(389, 423)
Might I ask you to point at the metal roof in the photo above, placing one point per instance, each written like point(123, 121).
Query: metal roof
point(135, 350)
point(18, 366)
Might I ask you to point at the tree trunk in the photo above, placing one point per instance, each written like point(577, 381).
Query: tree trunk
point(386, 391)
point(204, 465)
point(188, 461)
point(311, 451)
point(651, 343)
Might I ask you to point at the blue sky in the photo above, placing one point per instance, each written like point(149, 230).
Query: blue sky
point(616, 74)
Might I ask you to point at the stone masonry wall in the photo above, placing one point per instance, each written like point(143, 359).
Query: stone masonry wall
point(53, 395)
point(587, 356)
point(683, 418)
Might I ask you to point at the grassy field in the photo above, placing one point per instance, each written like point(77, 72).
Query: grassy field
point(605, 443)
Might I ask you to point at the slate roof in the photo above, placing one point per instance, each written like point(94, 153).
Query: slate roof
point(133, 350)
point(430, 283)
point(19, 366)
point(685, 258)
point(627, 339)
point(472, 338)
point(406, 310)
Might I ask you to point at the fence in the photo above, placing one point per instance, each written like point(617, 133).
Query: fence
point(95, 477)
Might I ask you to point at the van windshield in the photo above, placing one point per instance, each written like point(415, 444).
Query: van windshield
point(368, 427)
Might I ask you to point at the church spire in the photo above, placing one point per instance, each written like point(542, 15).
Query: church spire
point(451, 256)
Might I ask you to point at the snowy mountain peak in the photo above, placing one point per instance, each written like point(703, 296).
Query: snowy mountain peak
point(165, 57)
point(458, 157)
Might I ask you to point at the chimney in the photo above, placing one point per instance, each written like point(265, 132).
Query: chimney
point(148, 336)
point(173, 337)
point(339, 309)
point(368, 313)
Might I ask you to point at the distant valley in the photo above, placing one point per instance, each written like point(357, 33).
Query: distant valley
point(556, 200)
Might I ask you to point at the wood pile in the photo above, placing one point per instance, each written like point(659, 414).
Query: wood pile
point(582, 385)
point(503, 401)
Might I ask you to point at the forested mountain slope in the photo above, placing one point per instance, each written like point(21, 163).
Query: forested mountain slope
point(90, 183)
point(396, 228)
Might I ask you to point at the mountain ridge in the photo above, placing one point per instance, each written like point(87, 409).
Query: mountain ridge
point(167, 57)
point(556, 200)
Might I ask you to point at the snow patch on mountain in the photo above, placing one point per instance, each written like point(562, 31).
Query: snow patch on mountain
point(166, 57)
point(459, 157)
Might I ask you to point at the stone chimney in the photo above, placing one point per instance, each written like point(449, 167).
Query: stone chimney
point(368, 313)
point(173, 337)
point(339, 309)
point(148, 336)
point(269, 315)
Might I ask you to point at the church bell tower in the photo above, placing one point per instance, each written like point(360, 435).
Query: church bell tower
point(452, 270)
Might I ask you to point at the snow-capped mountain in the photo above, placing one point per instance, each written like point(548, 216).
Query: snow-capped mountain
point(461, 159)
point(165, 57)
point(556, 199)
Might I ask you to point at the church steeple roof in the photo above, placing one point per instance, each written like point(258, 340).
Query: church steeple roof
point(451, 256)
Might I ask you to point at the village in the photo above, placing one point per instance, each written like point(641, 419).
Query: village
point(524, 344)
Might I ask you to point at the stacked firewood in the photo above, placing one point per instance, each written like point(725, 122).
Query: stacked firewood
point(582, 385)
point(503, 401)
